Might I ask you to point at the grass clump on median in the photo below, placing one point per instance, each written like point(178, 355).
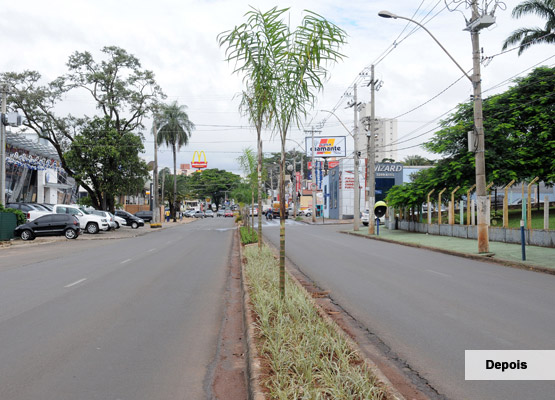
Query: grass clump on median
point(303, 357)
point(248, 235)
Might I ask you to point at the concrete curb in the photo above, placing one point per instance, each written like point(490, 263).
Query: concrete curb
point(253, 364)
point(486, 258)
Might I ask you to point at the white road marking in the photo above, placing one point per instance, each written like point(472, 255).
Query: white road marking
point(76, 283)
point(438, 273)
point(125, 261)
point(151, 250)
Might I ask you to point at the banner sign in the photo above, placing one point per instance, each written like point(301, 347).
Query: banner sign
point(199, 160)
point(332, 164)
point(298, 181)
point(326, 146)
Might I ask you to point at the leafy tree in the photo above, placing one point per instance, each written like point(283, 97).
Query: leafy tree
point(108, 160)
point(175, 190)
point(175, 131)
point(417, 160)
point(529, 36)
point(519, 141)
point(213, 183)
point(123, 92)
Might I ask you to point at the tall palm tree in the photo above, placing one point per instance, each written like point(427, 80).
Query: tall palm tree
point(529, 36)
point(175, 131)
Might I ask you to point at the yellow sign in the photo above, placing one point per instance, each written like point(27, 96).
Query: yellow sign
point(199, 160)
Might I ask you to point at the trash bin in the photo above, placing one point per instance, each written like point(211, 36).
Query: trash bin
point(8, 222)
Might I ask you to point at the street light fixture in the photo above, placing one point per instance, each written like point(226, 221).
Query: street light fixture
point(476, 23)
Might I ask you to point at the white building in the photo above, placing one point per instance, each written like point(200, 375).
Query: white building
point(386, 136)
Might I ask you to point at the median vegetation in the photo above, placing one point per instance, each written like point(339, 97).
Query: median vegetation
point(302, 356)
point(248, 235)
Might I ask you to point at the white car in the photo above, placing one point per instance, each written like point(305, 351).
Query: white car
point(109, 217)
point(88, 222)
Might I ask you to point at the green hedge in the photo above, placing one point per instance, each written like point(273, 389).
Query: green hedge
point(21, 219)
point(248, 235)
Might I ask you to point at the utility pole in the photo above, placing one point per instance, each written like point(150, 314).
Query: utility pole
point(3, 147)
point(155, 208)
point(371, 156)
point(313, 180)
point(356, 210)
point(481, 196)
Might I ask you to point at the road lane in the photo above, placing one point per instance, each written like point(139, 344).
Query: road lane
point(87, 325)
point(430, 318)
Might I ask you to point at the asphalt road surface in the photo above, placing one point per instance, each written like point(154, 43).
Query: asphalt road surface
point(125, 319)
point(431, 307)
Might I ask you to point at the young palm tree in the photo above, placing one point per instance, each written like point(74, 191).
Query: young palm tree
point(175, 131)
point(292, 66)
point(529, 36)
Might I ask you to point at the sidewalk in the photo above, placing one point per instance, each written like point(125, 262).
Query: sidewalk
point(537, 258)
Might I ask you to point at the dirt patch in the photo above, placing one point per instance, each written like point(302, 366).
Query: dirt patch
point(229, 380)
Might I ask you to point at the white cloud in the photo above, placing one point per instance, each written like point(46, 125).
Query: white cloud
point(177, 40)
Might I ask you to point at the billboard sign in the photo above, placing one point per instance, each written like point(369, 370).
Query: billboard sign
point(326, 146)
point(199, 160)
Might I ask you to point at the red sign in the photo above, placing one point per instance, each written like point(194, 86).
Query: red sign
point(298, 181)
point(332, 164)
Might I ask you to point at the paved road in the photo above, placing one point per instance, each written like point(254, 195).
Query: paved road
point(430, 307)
point(121, 319)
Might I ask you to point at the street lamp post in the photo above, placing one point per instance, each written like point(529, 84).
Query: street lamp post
point(474, 27)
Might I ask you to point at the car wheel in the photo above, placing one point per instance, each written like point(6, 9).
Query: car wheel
point(27, 235)
point(70, 234)
point(92, 228)
point(134, 225)
point(365, 223)
point(117, 225)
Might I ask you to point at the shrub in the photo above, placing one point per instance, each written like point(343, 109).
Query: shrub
point(21, 219)
point(248, 236)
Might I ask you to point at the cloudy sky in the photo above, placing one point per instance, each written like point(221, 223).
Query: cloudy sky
point(177, 41)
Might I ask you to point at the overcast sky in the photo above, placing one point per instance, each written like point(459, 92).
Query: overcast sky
point(177, 41)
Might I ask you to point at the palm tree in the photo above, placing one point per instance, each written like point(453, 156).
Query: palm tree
point(292, 66)
point(529, 36)
point(175, 131)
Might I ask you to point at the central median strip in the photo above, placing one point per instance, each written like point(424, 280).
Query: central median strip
point(300, 354)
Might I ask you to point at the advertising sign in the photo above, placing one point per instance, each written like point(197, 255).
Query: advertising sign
point(298, 181)
point(199, 160)
point(326, 146)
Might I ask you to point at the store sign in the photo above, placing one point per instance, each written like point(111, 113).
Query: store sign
point(328, 146)
point(199, 160)
point(332, 164)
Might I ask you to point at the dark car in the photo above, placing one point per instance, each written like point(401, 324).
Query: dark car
point(50, 225)
point(144, 215)
point(130, 220)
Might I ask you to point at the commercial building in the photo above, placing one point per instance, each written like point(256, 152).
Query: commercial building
point(34, 172)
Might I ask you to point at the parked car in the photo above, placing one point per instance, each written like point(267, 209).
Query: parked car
point(198, 214)
point(50, 225)
point(31, 210)
point(130, 220)
point(189, 213)
point(109, 217)
point(89, 222)
point(209, 214)
point(119, 221)
point(144, 215)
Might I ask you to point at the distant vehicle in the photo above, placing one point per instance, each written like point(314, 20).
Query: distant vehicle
point(31, 210)
point(50, 225)
point(274, 213)
point(130, 219)
point(209, 214)
point(220, 213)
point(144, 215)
point(228, 213)
point(198, 214)
point(253, 210)
point(189, 213)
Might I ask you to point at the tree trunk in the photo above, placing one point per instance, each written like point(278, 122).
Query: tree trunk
point(174, 183)
point(259, 184)
point(282, 222)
